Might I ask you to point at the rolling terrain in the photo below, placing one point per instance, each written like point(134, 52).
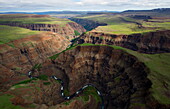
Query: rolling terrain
point(63, 27)
point(127, 22)
point(121, 62)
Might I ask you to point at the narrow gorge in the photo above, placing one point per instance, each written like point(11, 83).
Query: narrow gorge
point(27, 52)
point(121, 77)
point(56, 64)
point(88, 24)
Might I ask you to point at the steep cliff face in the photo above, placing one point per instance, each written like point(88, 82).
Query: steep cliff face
point(152, 42)
point(88, 24)
point(120, 77)
point(27, 52)
point(67, 30)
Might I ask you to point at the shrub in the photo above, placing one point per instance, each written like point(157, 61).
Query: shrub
point(43, 77)
point(76, 33)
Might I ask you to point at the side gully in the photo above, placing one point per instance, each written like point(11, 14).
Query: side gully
point(76, 93)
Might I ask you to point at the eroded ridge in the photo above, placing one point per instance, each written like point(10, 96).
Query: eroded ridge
point(121, 77)
point(76, 93)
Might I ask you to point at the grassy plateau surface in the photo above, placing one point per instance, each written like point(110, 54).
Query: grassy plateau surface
point(120, 24)
point(31, 19)
point(8, 33)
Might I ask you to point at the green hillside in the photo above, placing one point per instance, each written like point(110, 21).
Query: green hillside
point(121, 24)
point(31, 19)
point(8, 33)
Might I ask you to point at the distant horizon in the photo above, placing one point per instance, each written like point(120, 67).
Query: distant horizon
point(76, 10)
point(80, 5)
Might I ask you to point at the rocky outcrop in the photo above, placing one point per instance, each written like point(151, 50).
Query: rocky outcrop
point(67, 30)
point(151, 42)
point(120, 77)
point(88, 24)
point(27, 52)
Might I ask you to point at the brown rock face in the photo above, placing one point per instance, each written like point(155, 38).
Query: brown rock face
point(120, 77)
point(29, 51)
point(152, 42)
point(88, 24)
point(65, 30)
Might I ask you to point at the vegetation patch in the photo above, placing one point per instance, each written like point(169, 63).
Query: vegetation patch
point(25, 81)
point(76, 33)
point(118, 24)
point(67, 37)
point(21, 86)
point(43, 77)
point(5, 102)
point(101, 37)
point(46, 83)
point(56, 55)
point(91, 91)
point(74, 40)
point(117, 79)
point(37, 66)
point(17, 68)
point(59, 81)
point(8, 34)
point(67, 102)
point(27, 44)
point(66, 92)
point(11, 45)
point(5, 19)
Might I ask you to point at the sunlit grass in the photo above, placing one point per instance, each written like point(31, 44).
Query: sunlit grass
point(32, 20)
point(118, 24)
point(122, 28)
point(8, 33)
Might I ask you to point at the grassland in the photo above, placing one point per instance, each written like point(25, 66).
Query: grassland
point(17, 89)
point(5, 102)
point(119, 24)
point(56, 55)
point(8, 33)
point(91, 91)
point(159, 71)
point(27, 19)
point(122, 29)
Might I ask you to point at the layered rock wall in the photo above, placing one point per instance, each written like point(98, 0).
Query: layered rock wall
point(26, 52)
point(67, 30)
point(120, 77)
point(152, 42)
point(88, 24)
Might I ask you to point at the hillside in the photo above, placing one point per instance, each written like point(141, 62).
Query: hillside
point(121, 62)
point(8, 33)
point(154, 12)
point(125, 22)
point(63, 27)
point(21, 49)
point(150, 42)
